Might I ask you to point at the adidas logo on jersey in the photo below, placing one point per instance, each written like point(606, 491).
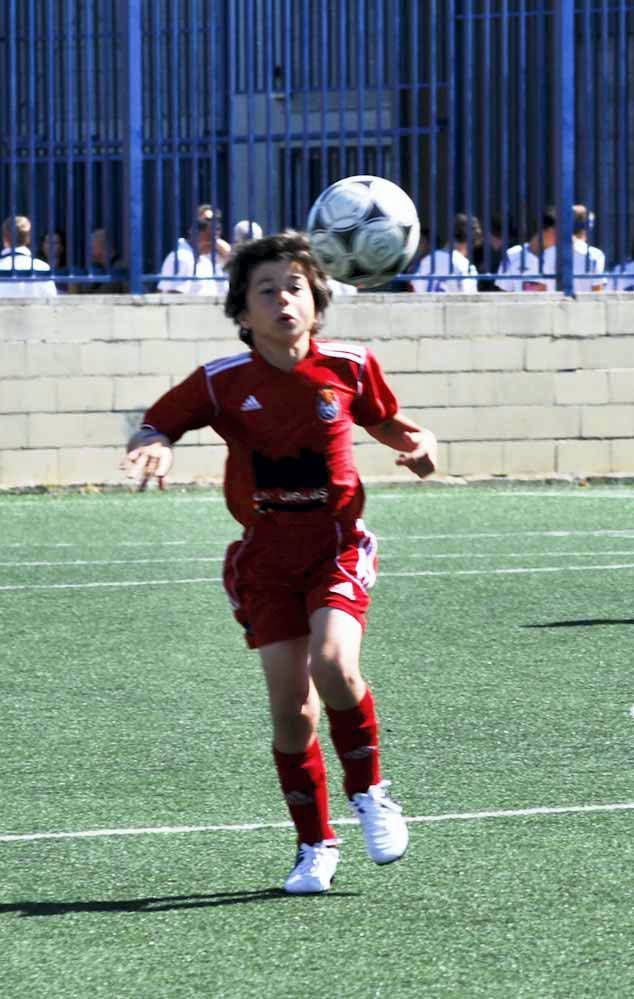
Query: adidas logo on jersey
point(249, 404)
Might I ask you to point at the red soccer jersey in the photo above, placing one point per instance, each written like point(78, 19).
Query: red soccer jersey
point(289, 433)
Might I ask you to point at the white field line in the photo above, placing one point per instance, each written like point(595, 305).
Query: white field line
point(384, 555)
point(382, 537)
point(510, 813)
point(145, 561)
point(512, 571)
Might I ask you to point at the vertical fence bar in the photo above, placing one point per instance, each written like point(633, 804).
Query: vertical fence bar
point(215, 96)
point(621, 133)
point(341, 80)
point(433, 117)
point(299, 208)
point(69, 138)
point(88, 96)
point(396, 88)
point(50, 118)
point(194, 105)
point(159, 152)
point(133, 138)
point(324, 62)
point(586, 136)
point(452, 114)
point(486, 176)
point(565, 132)
point(604, 117)
point(232, 74)
point(522, 186)
point(269, 94)
point(31, 57)
point(379, 82)
point(13, 119)
point(468, 146)
point(173, 70)
point(288, 85)
point(414, 102)
point(361, 21)
point(251, 54)
point(505, 81)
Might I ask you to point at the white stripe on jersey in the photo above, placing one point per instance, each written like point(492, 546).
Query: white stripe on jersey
point(350, 351)
point(224, 364)
point(215, 367)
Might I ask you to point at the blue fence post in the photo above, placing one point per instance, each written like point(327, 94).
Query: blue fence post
point(131, 25)
point(564, 14)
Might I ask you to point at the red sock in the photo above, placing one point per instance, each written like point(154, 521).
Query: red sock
point(303, 780)
point(355, 735)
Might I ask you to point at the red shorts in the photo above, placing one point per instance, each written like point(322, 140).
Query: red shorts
point(280, 573)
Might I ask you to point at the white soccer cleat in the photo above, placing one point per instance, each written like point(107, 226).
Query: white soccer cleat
point(314, 869)
point(382, 822)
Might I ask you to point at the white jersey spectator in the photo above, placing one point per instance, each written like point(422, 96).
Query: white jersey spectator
point(594, 258)
point(588, 260)
point(445, 262)
point(529, 271)
point(185, 263)
point(17, 257)
point(452, 260)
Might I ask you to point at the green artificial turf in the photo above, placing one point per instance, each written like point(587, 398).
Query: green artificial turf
point(129, 707)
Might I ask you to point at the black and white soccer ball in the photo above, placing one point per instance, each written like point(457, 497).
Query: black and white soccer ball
point(363, 230)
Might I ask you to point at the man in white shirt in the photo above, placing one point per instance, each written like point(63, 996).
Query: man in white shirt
point(453, 259)
point(593, 257)
point(199, 260)
point(16, 256)
point(532, 266)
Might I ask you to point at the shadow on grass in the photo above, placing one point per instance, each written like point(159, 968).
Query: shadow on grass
point(583, 623)
point(149, 905)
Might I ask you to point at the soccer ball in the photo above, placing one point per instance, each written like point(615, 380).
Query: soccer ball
point(363, 230)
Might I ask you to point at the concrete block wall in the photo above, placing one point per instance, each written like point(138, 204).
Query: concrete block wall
point(512, 385)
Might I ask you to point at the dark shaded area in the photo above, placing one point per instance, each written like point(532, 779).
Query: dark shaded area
point(582, 623)
point(152, 904)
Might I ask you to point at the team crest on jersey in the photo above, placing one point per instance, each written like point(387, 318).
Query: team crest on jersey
point(327, 405)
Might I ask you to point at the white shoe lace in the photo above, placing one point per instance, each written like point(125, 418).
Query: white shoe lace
point(311, 855)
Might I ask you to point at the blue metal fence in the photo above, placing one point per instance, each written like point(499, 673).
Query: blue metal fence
point(124, 115)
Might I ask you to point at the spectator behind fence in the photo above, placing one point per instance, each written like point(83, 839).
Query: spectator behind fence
point(593, 257)
point(623, 275)
point(16, 255)
point(246, 229)
point(53, 252)
point(105, 260)
point(452, 259)
point(527, 264)
point(488, 256)
point(201, 256)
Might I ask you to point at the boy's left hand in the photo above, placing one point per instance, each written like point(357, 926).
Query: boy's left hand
point(423, 461)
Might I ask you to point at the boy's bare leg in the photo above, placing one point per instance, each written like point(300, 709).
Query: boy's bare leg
point(294, 706)
point(335, 646)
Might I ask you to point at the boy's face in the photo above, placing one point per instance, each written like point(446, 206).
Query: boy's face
point(280, 308)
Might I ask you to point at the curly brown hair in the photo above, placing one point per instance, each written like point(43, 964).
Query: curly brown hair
point(287, 245)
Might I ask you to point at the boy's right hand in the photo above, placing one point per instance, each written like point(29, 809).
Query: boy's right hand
point(150, 461)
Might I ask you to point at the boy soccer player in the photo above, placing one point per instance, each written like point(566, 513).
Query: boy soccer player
point(299, 578)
